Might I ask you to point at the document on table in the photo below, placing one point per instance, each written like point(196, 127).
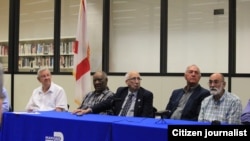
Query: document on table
point(26, 112)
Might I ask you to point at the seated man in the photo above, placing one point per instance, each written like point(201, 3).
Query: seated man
point(5, 102)
point(222, 106)
point(132, 100)
point(101, 93)
point(185, 103)
point(245, 117)
point(1, 108)
point(47, 97)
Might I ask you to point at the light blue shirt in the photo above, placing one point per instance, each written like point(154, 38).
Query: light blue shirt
point(6, 105)
point(227, 109)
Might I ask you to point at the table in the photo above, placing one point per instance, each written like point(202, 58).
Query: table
point(56, 126)
point(145, 129)
point(142, 129)
point(63, 126)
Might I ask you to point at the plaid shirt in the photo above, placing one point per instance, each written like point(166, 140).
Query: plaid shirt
point(93, 98)
point(227, 110)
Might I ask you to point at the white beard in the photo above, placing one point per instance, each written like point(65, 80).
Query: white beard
point(214, 92)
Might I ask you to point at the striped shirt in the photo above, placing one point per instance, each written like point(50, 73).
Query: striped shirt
point(92, 98)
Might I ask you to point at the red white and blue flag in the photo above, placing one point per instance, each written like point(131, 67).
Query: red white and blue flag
point(81, 49)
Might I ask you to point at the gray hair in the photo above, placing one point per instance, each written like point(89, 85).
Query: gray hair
point(41, 70)
point(127, 76)
point(193, 65)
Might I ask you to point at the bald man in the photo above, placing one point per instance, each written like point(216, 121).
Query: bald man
point(131, 101)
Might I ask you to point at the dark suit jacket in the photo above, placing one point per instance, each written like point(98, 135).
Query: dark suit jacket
point(192, 107)
point(143, 104)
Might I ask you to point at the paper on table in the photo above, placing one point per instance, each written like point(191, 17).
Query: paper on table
point(26, 112)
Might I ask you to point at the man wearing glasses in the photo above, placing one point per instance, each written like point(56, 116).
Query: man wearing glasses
point(132, 100)
point(222, 106)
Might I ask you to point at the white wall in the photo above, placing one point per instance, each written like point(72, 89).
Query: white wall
point(240, 86)
point(161, 86)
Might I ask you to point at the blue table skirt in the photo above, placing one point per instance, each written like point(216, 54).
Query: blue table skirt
point(63, 126)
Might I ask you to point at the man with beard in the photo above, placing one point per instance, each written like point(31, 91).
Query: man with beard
point(101, 93)
point(222, 106)
point(185, 103)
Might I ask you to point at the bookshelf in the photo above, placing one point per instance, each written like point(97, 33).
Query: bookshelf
point(4, 55)
point(34, 54)
point(66, 55)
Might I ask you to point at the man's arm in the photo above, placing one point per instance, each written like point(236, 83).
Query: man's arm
point(235, 112)
point(5, 104)
point(1, 110)
point(148, 105)
point(61, 101)
point(201, 112)
point(29, 107)
point(102, 106)
point(81, 112)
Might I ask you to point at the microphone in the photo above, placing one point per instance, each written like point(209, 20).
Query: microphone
point(215, 122)
point(162, 113)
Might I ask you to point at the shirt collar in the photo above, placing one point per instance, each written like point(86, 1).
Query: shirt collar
point(135, 93)
point(50, 90)
point(189, 89)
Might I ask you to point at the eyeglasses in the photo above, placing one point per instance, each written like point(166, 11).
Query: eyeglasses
point(210, 82)
point(135, 78)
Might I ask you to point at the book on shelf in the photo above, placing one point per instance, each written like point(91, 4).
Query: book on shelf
point(33, 49)
point(46, 49)
point(66, 48)
point(4, 50)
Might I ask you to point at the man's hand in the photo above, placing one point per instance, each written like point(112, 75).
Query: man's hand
point(58, 109)
point(80, 112)
point(1, 101)
point(1, 110)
